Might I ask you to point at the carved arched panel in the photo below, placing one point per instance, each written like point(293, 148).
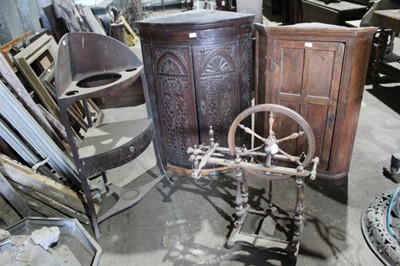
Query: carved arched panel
point(175, 95)
point(217, 87)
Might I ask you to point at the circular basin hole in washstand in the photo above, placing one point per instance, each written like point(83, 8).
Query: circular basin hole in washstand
point(98, 80)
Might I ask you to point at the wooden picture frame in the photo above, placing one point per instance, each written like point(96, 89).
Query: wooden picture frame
point(32, 62)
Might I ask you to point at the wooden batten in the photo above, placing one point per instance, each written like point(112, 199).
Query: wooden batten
point(56, 192)
point(12, 196)
point(39, 198)
point(8, 215)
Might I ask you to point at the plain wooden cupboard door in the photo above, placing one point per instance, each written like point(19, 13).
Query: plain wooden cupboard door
point(306, 78)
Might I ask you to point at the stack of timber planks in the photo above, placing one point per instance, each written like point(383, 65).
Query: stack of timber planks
point(43, 196)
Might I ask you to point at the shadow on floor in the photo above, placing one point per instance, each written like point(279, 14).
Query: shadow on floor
point(334, 189)
point(189, 223)
point(388, 94)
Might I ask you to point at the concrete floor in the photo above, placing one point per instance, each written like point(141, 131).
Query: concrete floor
point(188, 223)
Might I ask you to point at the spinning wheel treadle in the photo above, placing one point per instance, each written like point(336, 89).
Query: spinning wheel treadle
point(244, 162)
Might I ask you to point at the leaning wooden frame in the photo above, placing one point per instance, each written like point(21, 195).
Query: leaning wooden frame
point(40, 53)
point(36, 63)
point(6, 48)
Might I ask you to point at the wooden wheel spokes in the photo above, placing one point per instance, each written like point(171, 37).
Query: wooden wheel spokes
point(271, 121)
point(271, 147)
point(271, 143)
point(296, 159)
point(250, 131)
point(291, 136)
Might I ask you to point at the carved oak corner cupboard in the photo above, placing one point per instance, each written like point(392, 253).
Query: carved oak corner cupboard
point(198, 66)
point(319, 71)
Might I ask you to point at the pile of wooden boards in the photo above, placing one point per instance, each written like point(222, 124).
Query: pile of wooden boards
point(38, 195)
point(32, 194)
point(27, 89)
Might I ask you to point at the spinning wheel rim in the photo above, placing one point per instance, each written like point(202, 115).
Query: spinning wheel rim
point(276, 109)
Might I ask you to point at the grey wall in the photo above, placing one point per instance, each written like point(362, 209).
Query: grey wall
point(20, 16)
point(10, 22)
point(152, 3)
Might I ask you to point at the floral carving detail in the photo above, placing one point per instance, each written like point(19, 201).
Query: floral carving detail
point(217, 64)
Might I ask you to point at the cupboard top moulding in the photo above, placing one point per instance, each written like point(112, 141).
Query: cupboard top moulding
point(195, 27)
point(319, 70)
point(198, 67)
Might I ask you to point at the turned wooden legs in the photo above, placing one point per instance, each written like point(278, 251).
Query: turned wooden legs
point(299, 209)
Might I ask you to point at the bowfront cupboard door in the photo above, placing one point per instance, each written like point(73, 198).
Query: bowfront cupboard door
point(217, 89)
point(306, 78)
point(175, 101)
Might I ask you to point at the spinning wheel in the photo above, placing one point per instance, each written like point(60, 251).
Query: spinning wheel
point(271, 143)
point(244, 161)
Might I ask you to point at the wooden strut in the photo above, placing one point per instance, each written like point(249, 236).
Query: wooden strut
point(6, 48)
point(42, 194)
point(299, 209)
point(31, 132)
point(19, 89)
point(7, 191)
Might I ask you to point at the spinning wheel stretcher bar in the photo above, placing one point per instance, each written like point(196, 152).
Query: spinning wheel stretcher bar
point(258, 167)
